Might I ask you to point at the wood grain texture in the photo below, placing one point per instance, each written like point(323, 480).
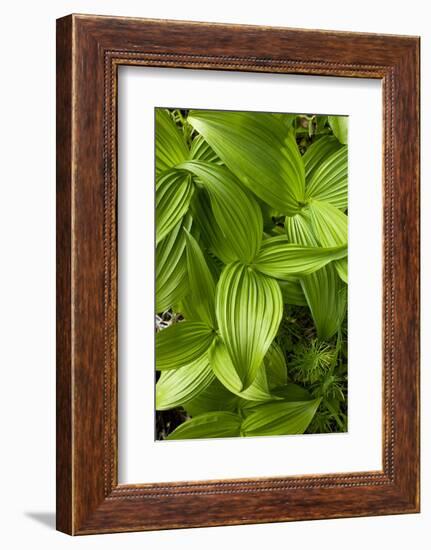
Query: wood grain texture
point(90, 49)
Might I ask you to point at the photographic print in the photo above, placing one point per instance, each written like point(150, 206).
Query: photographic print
point(251, 273)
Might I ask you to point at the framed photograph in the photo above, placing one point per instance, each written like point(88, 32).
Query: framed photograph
point(237, 274)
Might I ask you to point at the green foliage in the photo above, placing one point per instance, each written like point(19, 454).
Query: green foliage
point(251, 271)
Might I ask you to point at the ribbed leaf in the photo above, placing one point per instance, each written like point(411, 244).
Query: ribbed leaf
point(179, 386)
point(212, 424)
point(214, 398)
point(174, 189)
point(323, 289)
point(171, 267)
point(280, 259)
point(182, 344)
point(223, 368)
point(249, 307)
point(327, 298)
point(275, 366)
point(259, 150)
point(330, 227)
point(329, 181)
point(283, 418)
point(340, 126)
point(291, 291)
point(171, 149)
point(236, 212)
point(200, 150)
point(317, 152)
point(201, 301)
point(210, 233)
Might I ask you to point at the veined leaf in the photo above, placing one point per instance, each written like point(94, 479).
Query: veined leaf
point(283, 418)
point(200, 150)
point(236, 212)
point(280, 259)
point(327, 298)
point(174, 190)
point(330, 227)
point(260, 151)
point(317, 152)
point(322, 289)
point(178, 386)
point(213, 398)
point(223, 368)
point(182, 344)
point(329, 181)
point(171, 267)
point(201, 302)
point(249, 307)
point(275, 366)
point(171, 149)
point(209, 425)
point(292, 392)
point(340, 126)
point(210, 233)
point(291, 291)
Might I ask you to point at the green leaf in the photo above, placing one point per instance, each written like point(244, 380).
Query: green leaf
point(223, 368)
point(282, 418)
point(201, 301)
point(209, 425)
point(174, 190)
point(322, 289)
point(178, 386)
point(182, 344)
point(282, 260)
point(200, 150)
point(236, 212)
point(213, 398)
point(291, 291)
point(171, 148)
point(327, 299)
point(330, 227)
point(329, 181)
point(259, 150)
point(317, 152)
point(292, 392)
point(340, 126)
point(171, 267)
point(275, 365)
point(210, 233)
point(249, 307)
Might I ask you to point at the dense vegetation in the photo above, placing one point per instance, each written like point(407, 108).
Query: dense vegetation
point(251, 274)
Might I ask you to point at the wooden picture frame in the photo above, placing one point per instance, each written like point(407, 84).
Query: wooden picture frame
point(89, 51)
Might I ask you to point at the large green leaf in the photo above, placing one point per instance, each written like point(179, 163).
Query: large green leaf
point(340, 126)
point(249, 307)
point(322, 289)
point(171, 149)
point(201, 301)
point(280, 259)
point(275, 366)
point(327, 298)
point(330, 227)
point(200, 150)
point(224, 369)
point(329, 181)
point(174, 189)
point(236, 212)
point(208, 425)
point(282, 418)
point(213, 398)
point(260, 151)
point(291, 291)
point(171, 267)
point(317, 152)
point(182, 344)
point(179, 386)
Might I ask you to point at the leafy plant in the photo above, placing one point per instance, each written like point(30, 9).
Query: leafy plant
point(251, 273)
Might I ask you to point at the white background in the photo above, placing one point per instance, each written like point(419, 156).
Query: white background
point(27, 133)
point(141, 458)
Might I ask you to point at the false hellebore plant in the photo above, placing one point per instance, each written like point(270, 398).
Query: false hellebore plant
point(251, 261)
